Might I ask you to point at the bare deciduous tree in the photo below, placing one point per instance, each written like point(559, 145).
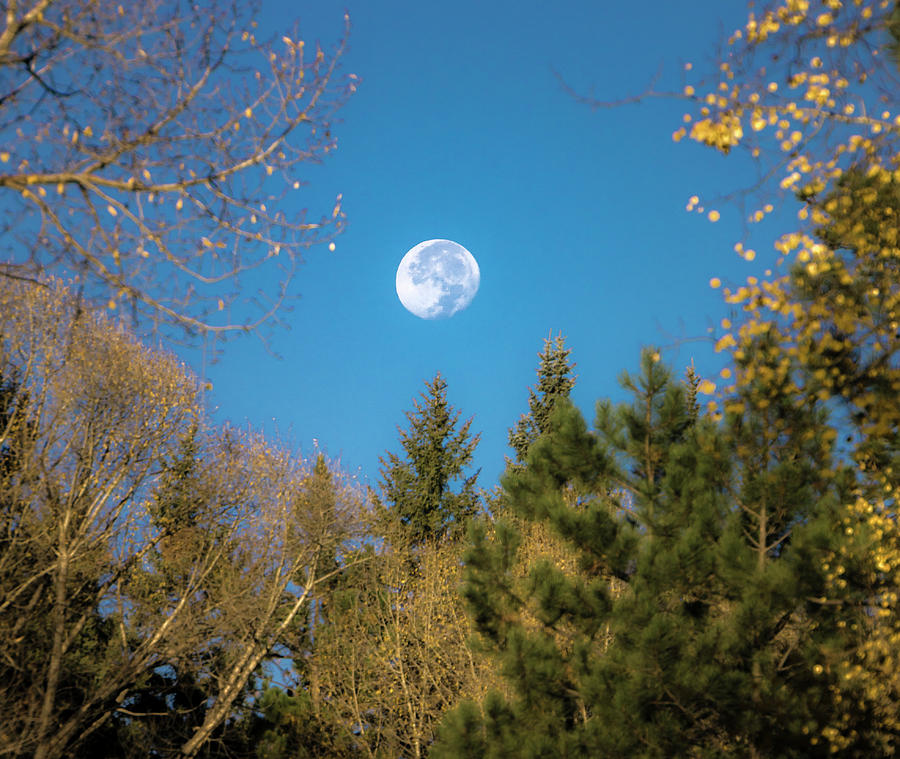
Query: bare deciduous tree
point(153, 150)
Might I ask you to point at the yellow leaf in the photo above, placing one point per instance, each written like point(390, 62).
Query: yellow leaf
point(178, 204)
point(248, 112)
point(715, 282)
point(713, 216)
point(112, 210)
point(331, 246)
point(206, 242)
point(726, 341)
point(88, 132)
point(4, 156)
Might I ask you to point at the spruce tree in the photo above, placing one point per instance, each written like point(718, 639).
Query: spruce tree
point(417, 485)
point(555, 381)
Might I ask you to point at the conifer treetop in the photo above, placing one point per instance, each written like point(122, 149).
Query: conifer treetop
point(555, 380)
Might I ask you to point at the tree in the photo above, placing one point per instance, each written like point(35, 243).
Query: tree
point(822, 326)
point(697, 620)
point(147, 150)
point(290, 725)
point(755, 547)
point(394, 655)
point(555, 381)
point(118, 580)
point(418, 487)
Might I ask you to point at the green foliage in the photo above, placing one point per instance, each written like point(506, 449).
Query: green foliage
point(555, 381)
point(176, 503)
point(639, 436)
point(418, 486)
point(893, 29)
point(690, 625)
point(288, 726)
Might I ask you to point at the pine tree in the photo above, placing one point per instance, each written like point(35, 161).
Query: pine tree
point(753, 607)
point(690, 626)
point(555, 381)
point(417, 487)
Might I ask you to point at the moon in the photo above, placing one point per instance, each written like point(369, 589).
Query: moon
point(437, 278)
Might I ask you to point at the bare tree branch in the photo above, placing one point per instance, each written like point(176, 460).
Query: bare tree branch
point(153, 152)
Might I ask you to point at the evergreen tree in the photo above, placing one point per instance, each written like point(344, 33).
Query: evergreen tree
point(418, 486)
point(692, 382)
point(555, 381)
point(691, 625)
point(288, 724)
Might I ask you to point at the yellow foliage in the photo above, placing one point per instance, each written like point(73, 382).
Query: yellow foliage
point(828, 331)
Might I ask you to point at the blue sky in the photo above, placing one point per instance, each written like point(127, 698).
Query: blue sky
point(461, 130)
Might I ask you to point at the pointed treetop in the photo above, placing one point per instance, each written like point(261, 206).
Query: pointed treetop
point(417, 486)
point(692, 387)
point(555, 380)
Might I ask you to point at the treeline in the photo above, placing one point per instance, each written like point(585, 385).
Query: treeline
point(150, 566)
point(685, 578)
point(168, 588)
point(701, 572)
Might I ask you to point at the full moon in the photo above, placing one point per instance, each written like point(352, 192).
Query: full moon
point(437, 278)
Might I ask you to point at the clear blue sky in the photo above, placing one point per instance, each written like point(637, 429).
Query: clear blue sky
point(577, 217)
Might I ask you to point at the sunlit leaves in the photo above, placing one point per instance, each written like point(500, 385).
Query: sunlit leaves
point(134, 536)
point(169, 137)
point(823, 330)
